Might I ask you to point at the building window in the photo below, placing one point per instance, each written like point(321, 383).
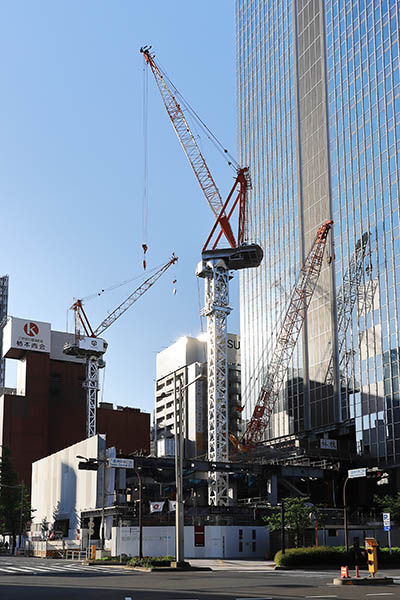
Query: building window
point(253, 534)
point(199, 535)
point(332, 533)
point(240, 546)
point(253, 546)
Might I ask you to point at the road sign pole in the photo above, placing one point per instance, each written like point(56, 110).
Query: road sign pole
point(387, 527)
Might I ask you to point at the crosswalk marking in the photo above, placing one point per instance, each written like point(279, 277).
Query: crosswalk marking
point(16, 569)
point(56, 569)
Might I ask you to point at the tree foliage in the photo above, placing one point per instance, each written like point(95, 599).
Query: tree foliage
point(390, 504)
point(15, 508)
point(297, 516)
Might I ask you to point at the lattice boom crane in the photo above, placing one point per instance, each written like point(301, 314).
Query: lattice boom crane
point(285, 342)
point(91, 347)
point(214, 268)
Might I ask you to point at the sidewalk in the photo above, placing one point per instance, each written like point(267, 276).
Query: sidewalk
point(218, 564)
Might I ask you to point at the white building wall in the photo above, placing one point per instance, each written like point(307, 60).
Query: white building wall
point(184, 352)
point(57, 484)
point(220, 542)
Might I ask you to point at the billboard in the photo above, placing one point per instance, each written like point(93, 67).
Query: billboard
point(21, 335)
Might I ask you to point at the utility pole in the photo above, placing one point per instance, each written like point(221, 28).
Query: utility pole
point(140, 513)
point(179, 441)
point(346, 532)
point(179, 517)
point(103, 492)
point(21, 512)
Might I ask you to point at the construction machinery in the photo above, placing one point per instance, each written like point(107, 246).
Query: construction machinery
point(284, 344)
point(88, 345)
point(215, 268)
point(351, 292)
point(346, 298)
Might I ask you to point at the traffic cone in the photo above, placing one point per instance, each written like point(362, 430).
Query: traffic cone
point(357, 571)
point(344, 572)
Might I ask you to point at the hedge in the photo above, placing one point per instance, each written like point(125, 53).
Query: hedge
point(151, 561)
point(332, 556)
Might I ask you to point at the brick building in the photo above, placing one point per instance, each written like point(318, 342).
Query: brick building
point(47, 410)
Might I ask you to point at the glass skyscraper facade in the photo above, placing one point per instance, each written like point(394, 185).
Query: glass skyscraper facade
point(319, 125)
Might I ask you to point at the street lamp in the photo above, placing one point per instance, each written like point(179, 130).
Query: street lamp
point(346, 533)
point(179, 515)
point(140, 513)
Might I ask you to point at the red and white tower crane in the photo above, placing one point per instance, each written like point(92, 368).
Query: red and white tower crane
point(285, 342)
point(88, 345)
point(215, 268)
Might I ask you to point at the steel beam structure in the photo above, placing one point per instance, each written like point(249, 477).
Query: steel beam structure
point(347, 296)
point(92, 387)
point(216, 310)
point(285, 341)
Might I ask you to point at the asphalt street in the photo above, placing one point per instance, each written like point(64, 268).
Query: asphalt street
point(34, 579)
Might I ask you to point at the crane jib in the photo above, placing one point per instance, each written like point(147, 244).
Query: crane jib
point(286, 339)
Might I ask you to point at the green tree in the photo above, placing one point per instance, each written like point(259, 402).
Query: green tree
point(390, 504)
point(15, 508)
point(297, 517)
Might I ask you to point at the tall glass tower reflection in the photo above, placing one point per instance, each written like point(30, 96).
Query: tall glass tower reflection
point(319, 125)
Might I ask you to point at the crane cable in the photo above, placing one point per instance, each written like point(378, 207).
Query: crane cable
point(118, 285)
point(145, 200)
point(231, 161)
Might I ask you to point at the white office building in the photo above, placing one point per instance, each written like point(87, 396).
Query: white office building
point(178, 366)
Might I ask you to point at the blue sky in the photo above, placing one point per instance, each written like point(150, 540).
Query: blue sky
point(71, 167)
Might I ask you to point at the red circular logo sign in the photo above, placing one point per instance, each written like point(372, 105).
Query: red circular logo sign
point(31, 329)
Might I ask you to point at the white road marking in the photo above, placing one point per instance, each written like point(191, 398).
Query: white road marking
point(320, 596)
point(382, 594)
point(17, 569)
point(56, 569)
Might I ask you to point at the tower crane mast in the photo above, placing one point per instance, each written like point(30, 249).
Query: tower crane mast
point(285, 342)
point(88, 345)
point(214, 268)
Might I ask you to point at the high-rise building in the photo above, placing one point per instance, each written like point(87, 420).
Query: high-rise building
point(3, 315)
point(319, 124)
point(184, 364)
point(46, 411)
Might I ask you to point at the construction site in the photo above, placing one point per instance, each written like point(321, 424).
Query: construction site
point(230, 439)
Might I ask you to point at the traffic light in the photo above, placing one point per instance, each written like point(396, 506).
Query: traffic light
point(384, 479)
point(377, 473)
point(88, 465)
point(371, 547)
point(373, 472)
point(91, 526)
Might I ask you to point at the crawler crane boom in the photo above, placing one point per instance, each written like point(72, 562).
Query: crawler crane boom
point(285, 342)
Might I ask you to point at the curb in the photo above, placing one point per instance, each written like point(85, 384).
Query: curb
point(363, 581)
point(168, 569)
